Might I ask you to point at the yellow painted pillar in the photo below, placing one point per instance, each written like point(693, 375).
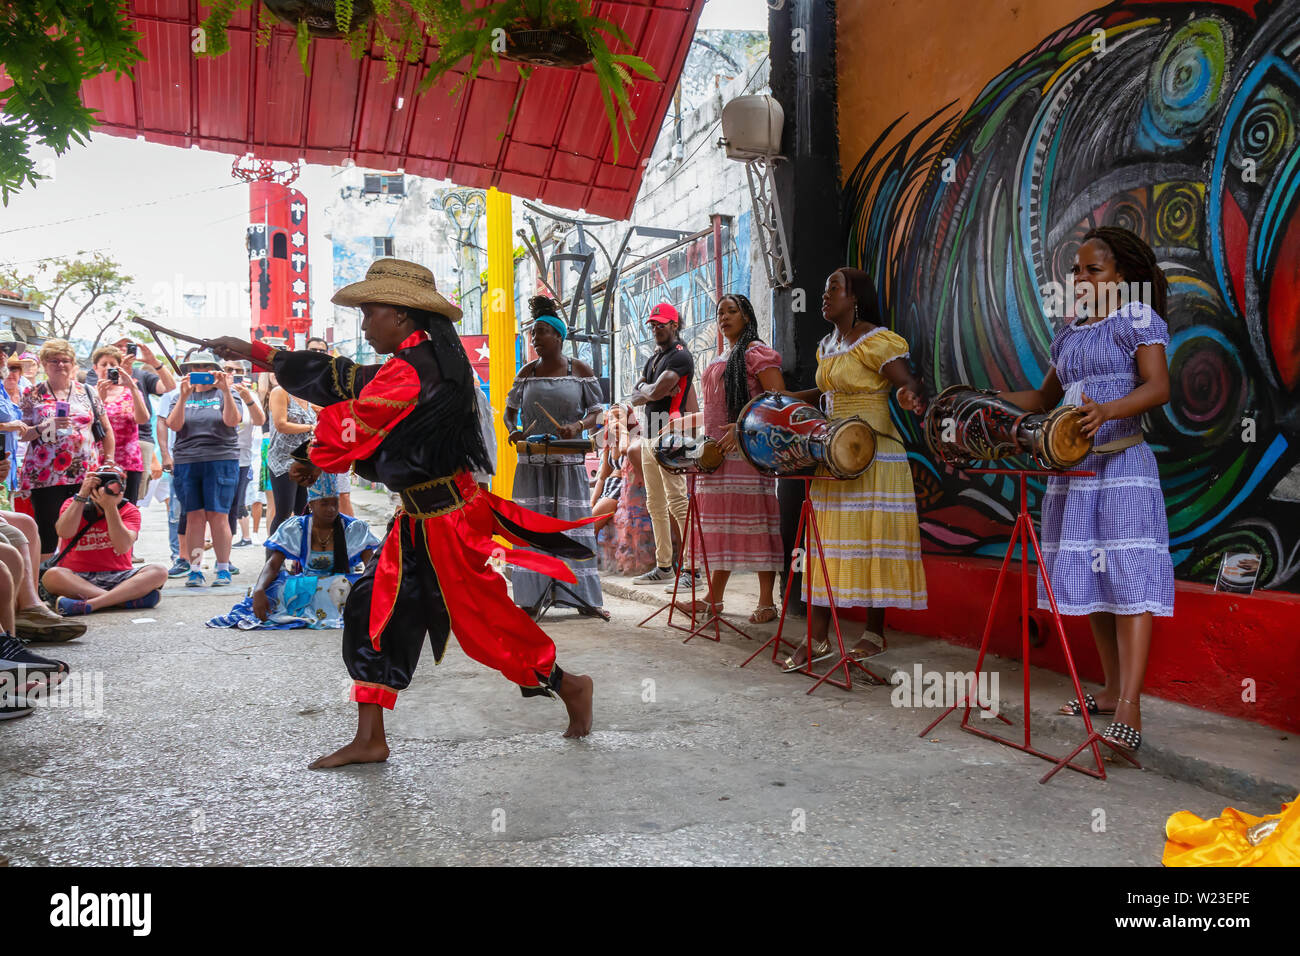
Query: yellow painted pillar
point(500, 311)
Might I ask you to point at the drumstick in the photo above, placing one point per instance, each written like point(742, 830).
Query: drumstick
point(547, 414)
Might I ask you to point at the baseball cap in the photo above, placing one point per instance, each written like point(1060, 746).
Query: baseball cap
point(663, 312)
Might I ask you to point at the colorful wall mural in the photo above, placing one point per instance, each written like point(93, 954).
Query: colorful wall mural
point(1180, 121)
point(686, 278)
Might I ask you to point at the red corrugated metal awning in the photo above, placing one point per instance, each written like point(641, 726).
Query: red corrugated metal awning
point(257, 99)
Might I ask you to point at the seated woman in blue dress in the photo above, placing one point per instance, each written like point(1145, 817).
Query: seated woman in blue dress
point(325, 551)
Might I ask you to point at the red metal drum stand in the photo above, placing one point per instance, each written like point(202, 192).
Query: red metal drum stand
point(692, 533)
point(808, 531)
point(1023, 534)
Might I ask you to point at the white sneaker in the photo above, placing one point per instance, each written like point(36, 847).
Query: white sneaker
point(654, 576)
point(684, 582)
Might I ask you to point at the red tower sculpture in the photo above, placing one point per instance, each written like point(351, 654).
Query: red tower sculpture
point(278, 267)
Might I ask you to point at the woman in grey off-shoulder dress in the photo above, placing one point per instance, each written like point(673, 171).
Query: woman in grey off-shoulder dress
point(555, 485)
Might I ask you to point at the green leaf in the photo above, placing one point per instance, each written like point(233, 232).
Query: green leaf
point(304, 45)
point(343, 15)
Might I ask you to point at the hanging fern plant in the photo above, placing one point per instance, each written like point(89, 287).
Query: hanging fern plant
point(530, 33)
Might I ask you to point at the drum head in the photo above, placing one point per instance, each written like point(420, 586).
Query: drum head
point(710, 457)
point(850, 448)
point(1063, 440)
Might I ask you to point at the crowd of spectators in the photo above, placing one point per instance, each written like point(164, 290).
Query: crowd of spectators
point(88, 443)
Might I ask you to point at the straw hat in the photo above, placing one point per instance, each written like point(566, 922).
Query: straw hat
point(398, 282)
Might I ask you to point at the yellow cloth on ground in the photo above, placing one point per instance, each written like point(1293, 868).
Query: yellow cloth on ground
point(1226, 840)
point(868, 526)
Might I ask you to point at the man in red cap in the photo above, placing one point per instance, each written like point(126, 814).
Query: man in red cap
point(664, 390)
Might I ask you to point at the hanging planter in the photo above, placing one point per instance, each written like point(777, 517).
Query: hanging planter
point(562, 48)
point(531, 33)
point(323, 18)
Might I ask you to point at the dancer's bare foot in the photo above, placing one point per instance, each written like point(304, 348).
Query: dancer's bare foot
point(370, 745)
point(576, 691)
point(358, 751)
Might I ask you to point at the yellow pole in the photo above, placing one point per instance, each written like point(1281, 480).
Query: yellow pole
point(500, 312)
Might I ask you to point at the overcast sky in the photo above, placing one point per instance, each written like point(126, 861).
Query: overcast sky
point(175, 218)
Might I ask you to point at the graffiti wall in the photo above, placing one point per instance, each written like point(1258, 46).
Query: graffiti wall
point(1180, 121)
point(685, 277)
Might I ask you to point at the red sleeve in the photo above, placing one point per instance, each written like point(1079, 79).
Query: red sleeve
point(347, 431)
point(130, 515)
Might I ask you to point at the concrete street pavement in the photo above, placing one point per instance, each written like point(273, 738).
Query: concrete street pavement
point(199, 754)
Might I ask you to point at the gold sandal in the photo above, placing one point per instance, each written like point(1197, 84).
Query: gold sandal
point(753, 618)
point(821, 651)
point(858, 656)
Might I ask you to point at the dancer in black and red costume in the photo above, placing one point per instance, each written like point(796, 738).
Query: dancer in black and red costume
point(411, 423)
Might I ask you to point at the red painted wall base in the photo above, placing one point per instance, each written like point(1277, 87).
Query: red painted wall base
point(1202, 656)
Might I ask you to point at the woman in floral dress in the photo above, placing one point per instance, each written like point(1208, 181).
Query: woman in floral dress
point(59, 413)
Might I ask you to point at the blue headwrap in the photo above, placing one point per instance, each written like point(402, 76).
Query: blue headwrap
point(326, 486)
point(555, 322)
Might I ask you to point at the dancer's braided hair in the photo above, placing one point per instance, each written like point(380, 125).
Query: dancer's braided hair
point(1135, 261)
point(734, 377)
point(460, 445)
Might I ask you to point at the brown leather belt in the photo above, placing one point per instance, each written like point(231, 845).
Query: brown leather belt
point(431, 499)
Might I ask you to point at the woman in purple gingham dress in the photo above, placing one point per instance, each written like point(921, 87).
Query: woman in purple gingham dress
point(1105, 540)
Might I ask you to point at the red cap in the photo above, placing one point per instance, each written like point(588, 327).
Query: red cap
point(663, 312)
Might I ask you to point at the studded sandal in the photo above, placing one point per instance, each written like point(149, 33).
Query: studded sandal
point(1071, 707)
point(1124, 735)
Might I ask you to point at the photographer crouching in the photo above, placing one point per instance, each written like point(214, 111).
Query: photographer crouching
point(97, 530)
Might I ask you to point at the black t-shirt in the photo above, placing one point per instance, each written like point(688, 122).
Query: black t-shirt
point(147, 380)
point(676, 359)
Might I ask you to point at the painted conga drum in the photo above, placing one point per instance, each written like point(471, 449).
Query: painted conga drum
point(682, 454)
point(964, 425)
point(782, 436)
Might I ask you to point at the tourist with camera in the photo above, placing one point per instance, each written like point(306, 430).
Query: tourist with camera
point(205, 457)
point(124, 404)
point(97, 531)
point(68, 435)
point(152, 378)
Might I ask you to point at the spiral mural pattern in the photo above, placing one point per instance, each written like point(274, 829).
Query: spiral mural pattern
point(966, 220)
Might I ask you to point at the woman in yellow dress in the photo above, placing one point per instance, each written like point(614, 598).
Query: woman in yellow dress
point(868, 526)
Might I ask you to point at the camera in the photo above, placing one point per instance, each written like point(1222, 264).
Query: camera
point(202, 378)
point(113, 375)
point(109, 480)
point(132, 348)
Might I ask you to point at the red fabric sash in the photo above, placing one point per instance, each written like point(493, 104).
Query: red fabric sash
point(460, 547)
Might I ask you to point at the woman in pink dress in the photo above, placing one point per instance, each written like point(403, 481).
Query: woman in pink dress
point(124, 404)
point(739, 513)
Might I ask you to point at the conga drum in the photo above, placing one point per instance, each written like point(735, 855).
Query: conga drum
point(682, 454)
point(782, 436)
point(964, 425)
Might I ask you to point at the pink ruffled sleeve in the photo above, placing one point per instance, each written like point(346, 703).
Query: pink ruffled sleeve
point(758, 357)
